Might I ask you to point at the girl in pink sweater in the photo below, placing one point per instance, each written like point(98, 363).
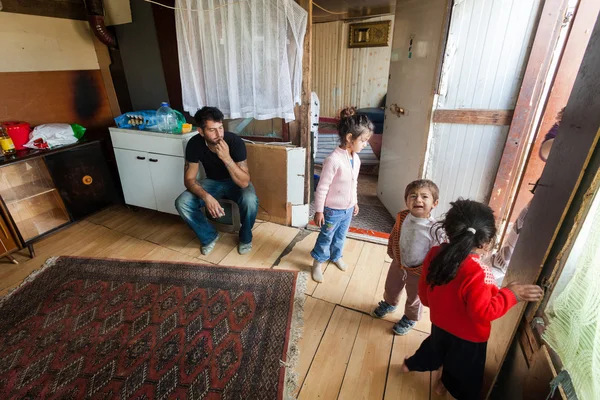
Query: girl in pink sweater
point(335, 197)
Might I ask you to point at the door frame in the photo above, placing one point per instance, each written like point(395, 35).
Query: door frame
point(560, 185)
point(527, 114)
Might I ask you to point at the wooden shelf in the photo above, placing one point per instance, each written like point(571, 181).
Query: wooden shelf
point(42, 223)
point(26, 191)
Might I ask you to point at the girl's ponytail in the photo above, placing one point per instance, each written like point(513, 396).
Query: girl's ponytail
point(353, 123)
point(468, 224)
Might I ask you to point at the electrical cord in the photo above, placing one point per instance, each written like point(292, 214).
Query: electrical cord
point(231, 4)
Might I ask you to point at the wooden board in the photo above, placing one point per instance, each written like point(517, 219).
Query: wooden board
point(365, 279)
point(473, 117)
point(413, 385)
point(56, 97)
point(317, 314)
point(531, 99)
point(262, 234)
point(299, 258)
point(268, 173)
point(541, 372)
point(268, 254)
point(326, 374)
point(336, 281)
point(164, 254)
point(226, 243)
point(367, 370)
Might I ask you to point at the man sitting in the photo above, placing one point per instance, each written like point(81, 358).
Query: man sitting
point(223, 156)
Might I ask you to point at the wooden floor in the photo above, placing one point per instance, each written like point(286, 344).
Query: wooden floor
point(345, 353)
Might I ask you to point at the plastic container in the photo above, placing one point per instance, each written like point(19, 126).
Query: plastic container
point(18, 132)
point(186, 128)
point(166, 119)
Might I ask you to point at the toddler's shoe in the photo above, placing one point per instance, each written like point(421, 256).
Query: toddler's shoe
point(317, 271)
point(341, 264)
point(403, 326)
point(383, 309)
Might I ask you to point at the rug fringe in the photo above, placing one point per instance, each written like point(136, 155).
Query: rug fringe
point(293, 353)
point(50, 262)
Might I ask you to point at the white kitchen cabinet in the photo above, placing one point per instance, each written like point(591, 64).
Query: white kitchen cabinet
point(150, 167)
point(167, 174)
point(135, 178)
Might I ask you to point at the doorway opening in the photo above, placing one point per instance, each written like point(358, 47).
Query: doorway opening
point(348, 71)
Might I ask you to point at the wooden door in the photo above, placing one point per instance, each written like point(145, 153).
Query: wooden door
point(571, 166)
point(416, 49)
point(167, 180)
point(136, 180)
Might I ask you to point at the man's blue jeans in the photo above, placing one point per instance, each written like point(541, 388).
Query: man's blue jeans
point(189, 207)
point(330, 243)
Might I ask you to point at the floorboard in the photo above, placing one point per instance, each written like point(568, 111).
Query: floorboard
point(317, 314)
point(366, 374)
point(335, 280)
point(365, 279)
point(328, 368)
point(424, 325)
point(344, 352)
point(412, 385)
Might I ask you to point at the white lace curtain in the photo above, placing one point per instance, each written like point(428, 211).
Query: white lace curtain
point(574, 315)
point(243, 57)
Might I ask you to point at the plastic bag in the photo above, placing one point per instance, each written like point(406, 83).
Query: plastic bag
point(145, 120)
point(48, 136)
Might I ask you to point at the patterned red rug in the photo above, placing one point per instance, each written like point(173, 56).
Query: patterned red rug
point(104, 329)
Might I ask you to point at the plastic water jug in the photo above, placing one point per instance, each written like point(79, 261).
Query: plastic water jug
point(166, 119)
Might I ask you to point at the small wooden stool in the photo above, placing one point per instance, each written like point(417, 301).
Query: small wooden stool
point(230, 222)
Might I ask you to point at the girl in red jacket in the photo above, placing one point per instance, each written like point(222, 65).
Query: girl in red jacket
point(463, 300)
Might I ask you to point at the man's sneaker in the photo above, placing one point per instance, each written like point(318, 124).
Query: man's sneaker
point(206, 250)
point(383, 309)
point(244, 248)
point(403, 326)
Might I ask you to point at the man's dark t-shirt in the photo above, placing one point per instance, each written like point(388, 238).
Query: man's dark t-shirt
point(197, 151)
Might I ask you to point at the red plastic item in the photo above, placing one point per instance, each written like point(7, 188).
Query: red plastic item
point(18, 132)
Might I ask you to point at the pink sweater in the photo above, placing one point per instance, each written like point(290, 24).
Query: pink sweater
point(338, 182)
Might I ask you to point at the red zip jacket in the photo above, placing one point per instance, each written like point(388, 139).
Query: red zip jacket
point(467, 305)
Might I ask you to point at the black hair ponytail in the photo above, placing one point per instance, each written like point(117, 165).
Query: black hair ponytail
point(353, 123)
point(468, 224)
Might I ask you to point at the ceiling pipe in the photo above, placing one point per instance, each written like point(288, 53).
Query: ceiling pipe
point(95, 11)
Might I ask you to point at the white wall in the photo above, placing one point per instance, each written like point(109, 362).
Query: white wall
point(486, 56)
point(34, 43)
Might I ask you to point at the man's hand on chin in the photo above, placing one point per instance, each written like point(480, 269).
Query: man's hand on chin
point(222, 149)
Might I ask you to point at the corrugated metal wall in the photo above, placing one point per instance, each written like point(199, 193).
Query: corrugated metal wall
point(347, 77)
point(486, 56)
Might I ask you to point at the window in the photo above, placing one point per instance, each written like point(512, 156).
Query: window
point(573, 310)
point(269, 130)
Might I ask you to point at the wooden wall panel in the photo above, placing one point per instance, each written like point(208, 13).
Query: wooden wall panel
point(55, 96)
point(34, 43)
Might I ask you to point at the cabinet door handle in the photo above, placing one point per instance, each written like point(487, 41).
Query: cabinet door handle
point(153, 160)
point(141, 158)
